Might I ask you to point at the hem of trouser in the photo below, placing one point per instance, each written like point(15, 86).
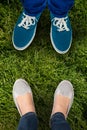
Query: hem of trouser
point(28, 121)
point(29, 114)
point(32, 14)
point(58, 121)
point(62, 14)
point(55, 115)
point(58, 114)
point(59, 16)
point(33, 8)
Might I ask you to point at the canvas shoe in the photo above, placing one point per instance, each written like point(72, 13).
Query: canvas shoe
point(61, 34)
point(24, 31)
point(65, 88)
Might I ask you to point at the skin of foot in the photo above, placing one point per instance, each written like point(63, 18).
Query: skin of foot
point(25, 103)
point(60, 104)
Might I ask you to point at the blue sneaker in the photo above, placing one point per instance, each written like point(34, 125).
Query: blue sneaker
point(24, 31)
point(61, 34)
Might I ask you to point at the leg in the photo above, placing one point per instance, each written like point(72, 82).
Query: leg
point(25, 28)
point(60, 8)
point(61, 31)
point(23, 99)
point(58, 122)
point(63, 99)
point(33, 7)
point(28, 122)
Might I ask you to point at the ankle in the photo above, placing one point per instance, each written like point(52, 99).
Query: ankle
point(27, 110)
point(25, 103)
point(60, 109)
point(61, 104)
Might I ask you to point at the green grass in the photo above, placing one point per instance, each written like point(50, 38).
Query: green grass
point(42, 67)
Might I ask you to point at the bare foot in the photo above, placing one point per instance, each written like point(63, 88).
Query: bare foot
point(25, 103)
point(61, 104)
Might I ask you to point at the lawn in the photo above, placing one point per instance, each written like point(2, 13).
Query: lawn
point(42, 67)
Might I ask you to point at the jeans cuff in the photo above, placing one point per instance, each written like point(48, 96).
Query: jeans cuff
point(28, 114)
point(58, 114)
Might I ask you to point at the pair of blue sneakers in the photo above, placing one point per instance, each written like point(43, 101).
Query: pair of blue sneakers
point(25, 29)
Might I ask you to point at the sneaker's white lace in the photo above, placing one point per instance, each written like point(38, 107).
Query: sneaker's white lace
point(27, 21)
point(60, 23)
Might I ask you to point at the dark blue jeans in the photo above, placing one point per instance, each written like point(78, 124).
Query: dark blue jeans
point(59, 8)
point(29, 121)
